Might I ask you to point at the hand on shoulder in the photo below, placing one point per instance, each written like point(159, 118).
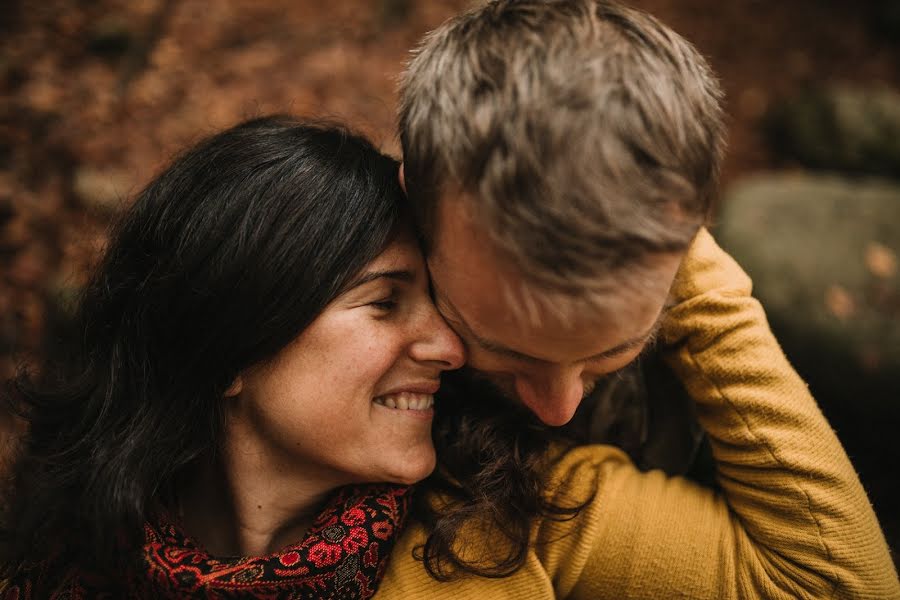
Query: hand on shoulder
point(706, 267)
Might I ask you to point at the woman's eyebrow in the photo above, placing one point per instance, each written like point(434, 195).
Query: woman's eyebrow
point(395, 274)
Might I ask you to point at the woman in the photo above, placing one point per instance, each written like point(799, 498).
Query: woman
point(258, 337)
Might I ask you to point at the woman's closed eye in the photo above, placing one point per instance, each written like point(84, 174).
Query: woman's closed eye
point(386, 304)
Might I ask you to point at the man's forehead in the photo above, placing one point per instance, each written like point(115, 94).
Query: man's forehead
point(456, 233)
point(467, 266)
point(480, 304)
point(486, 296)
point(468, 271)
point(585, 335)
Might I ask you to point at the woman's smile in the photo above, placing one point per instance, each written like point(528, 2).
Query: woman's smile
point(380, 344)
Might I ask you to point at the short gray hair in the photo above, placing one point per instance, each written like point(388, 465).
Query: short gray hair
point(586, 133)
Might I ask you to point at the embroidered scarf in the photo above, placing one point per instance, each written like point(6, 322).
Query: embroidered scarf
point(343, 557)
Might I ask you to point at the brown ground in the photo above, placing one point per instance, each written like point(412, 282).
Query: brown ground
point(110, 89)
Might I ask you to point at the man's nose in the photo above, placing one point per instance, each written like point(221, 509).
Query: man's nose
point(553, 396)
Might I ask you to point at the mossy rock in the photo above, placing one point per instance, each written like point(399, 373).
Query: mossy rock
point(823, 254)
point(852, 130)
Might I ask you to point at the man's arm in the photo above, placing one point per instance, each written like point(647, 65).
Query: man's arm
point(791, 519)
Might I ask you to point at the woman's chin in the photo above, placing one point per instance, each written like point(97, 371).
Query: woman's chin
point(408, 472)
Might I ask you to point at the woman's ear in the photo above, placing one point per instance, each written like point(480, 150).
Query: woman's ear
point(402, 178)
point(235, 388)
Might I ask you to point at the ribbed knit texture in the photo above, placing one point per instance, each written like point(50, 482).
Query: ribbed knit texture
point(791, 521)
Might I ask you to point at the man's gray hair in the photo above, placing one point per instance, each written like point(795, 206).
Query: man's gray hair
point(586, 134)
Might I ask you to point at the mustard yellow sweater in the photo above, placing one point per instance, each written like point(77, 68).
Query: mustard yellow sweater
point(791, 521)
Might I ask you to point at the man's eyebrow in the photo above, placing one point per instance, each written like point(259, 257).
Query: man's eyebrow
point(611, 353)
point(497, 348)
point(606, 354)
point(503, 350)
point(625, 346)
point(395, 274)
point(640, 340)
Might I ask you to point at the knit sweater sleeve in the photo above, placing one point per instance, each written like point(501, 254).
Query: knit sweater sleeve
point(791, 519)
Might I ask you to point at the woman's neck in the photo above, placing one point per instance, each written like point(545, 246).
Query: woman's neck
point(244, 504)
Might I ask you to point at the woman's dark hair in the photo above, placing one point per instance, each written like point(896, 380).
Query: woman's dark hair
point(495, 459)
point(218, 264)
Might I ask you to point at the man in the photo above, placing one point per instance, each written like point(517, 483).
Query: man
point(558, 176)
point(560, 158)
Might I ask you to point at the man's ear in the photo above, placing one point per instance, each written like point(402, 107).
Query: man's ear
point(235, 388)
point(402, 178)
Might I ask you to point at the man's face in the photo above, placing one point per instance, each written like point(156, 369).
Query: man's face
point(546, 364)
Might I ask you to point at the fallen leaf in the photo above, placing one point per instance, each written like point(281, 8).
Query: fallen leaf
point(870, 359)
point(839, 302)
point(881, 260)
point(753, 102)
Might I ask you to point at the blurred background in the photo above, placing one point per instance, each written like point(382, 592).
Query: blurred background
point(96, 96)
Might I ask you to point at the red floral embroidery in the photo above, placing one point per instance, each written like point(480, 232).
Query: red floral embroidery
point(357, 538)
point(354, 516)
point(382, 529)
point(343, 557)
point(324, 554)
point(370, 558)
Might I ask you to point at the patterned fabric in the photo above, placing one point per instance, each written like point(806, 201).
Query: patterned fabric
point(343, 557)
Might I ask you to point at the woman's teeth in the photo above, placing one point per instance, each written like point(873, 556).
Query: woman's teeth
point(406, 401)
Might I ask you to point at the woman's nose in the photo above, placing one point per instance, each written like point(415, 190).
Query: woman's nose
point(438, 343)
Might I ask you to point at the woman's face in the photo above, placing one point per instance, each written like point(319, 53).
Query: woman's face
point(350, 399)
